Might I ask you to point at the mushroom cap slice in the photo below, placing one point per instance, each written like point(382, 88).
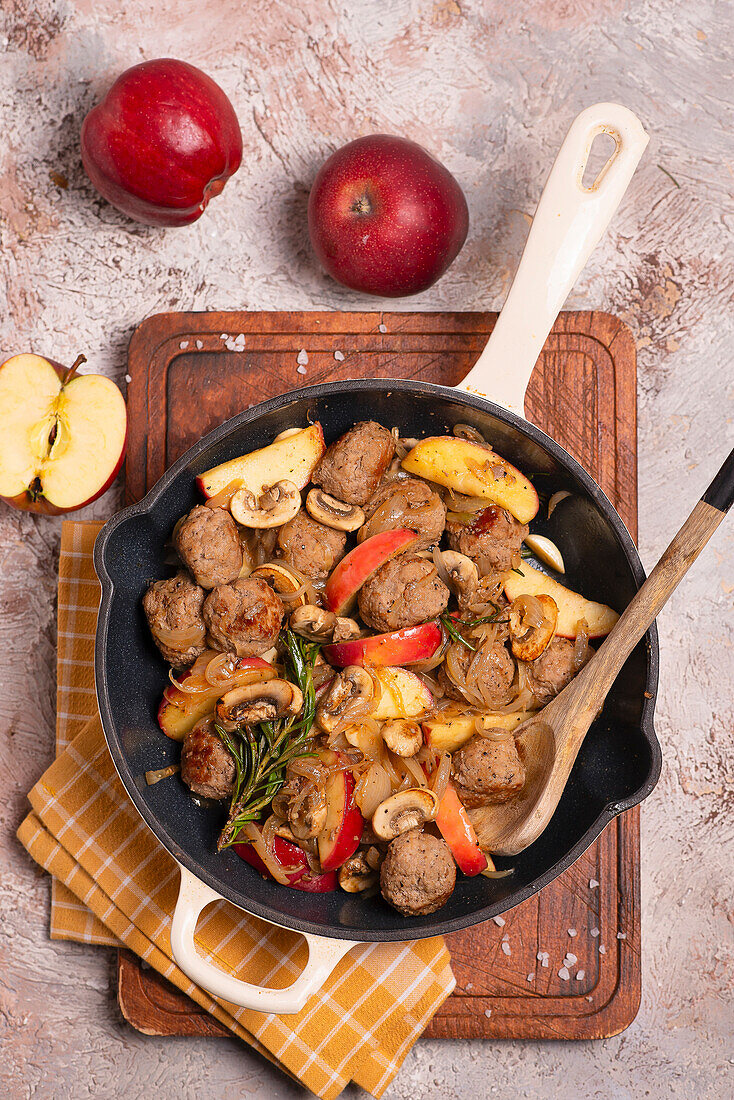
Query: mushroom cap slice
point(409, 809)
point(350, 695)
point(275, 506)
point(529, 637)
point(314, 623)
point(326, 509)
point(245, 706)
point(462, 571)
point(403, 737)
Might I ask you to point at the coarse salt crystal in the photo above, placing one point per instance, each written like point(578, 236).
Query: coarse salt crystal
point(300, 370)
point(563, 974)
point(593, 884)
point(580, 975)
point(224, 336)
point(499, 921)
point(589, 998)
point(505, 947)
point(183, 345)
point(128, 379)
point(545, 962)
point(621, 935)
point(382, 328)
point(302, 357)
point(602, 949)
point(469, 985)
point(199, 344)
point(339, 356)
point(506, 936)
point(570, 959)
point(572, 932)
point(530, 976)
point(594, 932)
point(488, 1012)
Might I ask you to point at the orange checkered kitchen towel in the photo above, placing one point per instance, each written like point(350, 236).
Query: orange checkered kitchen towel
point(114, 883)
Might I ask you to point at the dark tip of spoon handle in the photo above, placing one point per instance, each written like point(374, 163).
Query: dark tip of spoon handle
point(720, 493)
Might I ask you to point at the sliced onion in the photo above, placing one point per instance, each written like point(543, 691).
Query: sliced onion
point(440, 778)
point(441, 567)
point(310, 769)
point(254, 835)
point(581, 646)
point(156, 774)
point(220, 670)
point(373, 788)
point(466, 431)
point(530, 610)
point(223, 497)
point(495, 733)
point(179, 639)
point(417, 775)
point(497, 874)
point(556, 499)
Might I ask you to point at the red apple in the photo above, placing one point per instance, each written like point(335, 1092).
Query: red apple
point(295, 866)
point(385, 217)
point(341, 835)
point(357, 567)
point(458, 832)
point(62, 435)
point(162, 142)
point(400, 647)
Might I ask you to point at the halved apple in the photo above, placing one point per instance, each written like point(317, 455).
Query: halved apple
point(447, 732)
point(400, 647)
point(340, 837)
point(356, 568)
point(475, 471)
point(572, 607)
point(290, 458)
point(179, 711)
point(404, 695)
point(62, 435)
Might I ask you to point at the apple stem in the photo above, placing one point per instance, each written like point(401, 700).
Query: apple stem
point(73, 369)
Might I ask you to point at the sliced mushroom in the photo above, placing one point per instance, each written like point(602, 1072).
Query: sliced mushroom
point(462, 571)
point(532, 625)
point(332, 512)
point(356, 875)
point(409, 809)
point(313, 622)
point(245, 706)
point(275, 506)
point(345, 630)
point(285, 583)
point(403, 737)
point(350, 695)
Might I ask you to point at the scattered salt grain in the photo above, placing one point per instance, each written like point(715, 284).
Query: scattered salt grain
point(300, 370)
point(469, 985)
point(235, 343)
point(339, 356)
point(621, 935)
point(543, 958)
point(382, 328)
point(488, 1012)
point(580, 975)
point(499, 921)
point(563, 974)
point(128, 379)
point(183, 345)
point(224, 336)
point(589, 998)
point(594, 932)
point(572, 932)
point(505, 947)
point(593, 884)
point(506, 936)
point(199, 344)
point(302, 357)
point(531, 976)
point(570, 959)
point(602, 949)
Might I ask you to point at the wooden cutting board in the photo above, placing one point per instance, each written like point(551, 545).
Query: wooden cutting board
point(190, 371)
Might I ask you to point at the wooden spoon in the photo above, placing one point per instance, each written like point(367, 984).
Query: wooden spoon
point(551, 740)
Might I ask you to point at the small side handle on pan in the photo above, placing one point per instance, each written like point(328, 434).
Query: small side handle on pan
point(567, 226)
point(323, 955)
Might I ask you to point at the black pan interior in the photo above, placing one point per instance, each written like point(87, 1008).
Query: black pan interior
point(617, 767)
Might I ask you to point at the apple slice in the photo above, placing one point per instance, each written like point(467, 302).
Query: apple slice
point(179, 711)
point(404, 695)
point(458, 832)
point(342, 832)
point(293, 863)
point(62, 435)
point(400, 647)
point(289, 458)
point(474, 470)
point(447, 733)
point(356, 568)
point(572, 607)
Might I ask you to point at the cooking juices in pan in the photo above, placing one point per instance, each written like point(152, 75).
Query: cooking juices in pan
point(356, 635)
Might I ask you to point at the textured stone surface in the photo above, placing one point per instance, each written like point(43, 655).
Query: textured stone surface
point(490, 87)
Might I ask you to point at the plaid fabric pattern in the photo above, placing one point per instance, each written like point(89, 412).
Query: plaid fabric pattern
point(114, 883)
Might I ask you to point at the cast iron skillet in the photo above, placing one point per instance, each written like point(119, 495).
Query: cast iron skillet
point(620, 760)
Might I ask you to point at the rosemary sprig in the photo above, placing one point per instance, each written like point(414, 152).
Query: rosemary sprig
point(261, 753)
point(451, 624)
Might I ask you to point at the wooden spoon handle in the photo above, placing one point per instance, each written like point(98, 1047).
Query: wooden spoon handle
point(665, 577)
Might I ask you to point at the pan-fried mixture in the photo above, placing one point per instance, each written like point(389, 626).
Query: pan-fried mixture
point(355, 637)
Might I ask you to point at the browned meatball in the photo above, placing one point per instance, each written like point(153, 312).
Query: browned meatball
point(353, 466)
point(550, 673)
point(418, 873)
point(310, 546)
point(208, 543)
point(483, 678)
point(406, 503)
point(403, 592)
point(173, 607)
point(207, 767)
point(492, 539)
point(244, 617)
point(487, 771)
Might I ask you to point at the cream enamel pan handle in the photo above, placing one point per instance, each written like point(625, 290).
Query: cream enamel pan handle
point(567, 226)
point(323, 955)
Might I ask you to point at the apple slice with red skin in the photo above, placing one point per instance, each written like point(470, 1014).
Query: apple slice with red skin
point(458, 832)
point(474, 470)
point(62, 435)
point(342, 832)
point(399, 647)
point(179, 711)
point(291, 458)
point(295, 866)
point(404, 695)
point(356, 568)
point(572, 607)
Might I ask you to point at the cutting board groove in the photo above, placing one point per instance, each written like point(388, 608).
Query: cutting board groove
point(189, 371)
